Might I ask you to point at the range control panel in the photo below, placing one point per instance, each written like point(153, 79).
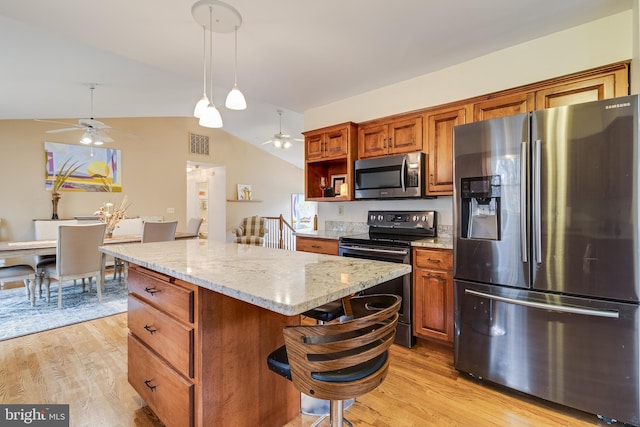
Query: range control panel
point(402, 219)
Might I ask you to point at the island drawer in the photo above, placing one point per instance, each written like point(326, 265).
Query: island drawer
point(433, 258)
point(173, 299)
point(165, 335)
point(166, 392)
point(317, 245)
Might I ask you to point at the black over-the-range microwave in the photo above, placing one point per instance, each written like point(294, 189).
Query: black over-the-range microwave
point(391, 177)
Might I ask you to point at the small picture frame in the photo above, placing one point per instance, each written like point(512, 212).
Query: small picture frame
point(244, 192)
point(336, 182)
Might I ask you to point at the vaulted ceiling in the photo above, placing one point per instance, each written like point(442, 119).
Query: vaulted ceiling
point(293, 55)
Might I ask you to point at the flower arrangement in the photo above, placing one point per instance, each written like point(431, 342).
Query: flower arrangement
point(111, 215)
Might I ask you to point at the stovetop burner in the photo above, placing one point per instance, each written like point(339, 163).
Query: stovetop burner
point(397, 228)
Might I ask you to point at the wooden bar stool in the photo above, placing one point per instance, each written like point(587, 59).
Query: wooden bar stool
point(340, 361)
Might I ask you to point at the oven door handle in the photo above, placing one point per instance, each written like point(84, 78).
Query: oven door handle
point(374, 250)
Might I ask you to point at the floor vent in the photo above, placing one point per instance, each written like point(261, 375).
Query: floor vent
point(198, 144)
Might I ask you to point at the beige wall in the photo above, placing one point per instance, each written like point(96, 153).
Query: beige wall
point(154, 158)
point(598, 43)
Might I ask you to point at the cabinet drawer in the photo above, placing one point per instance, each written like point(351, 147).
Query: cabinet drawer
point(318, 246)
point(165, 335)
point(173, 299)
point(429, 258)
point(167, 393)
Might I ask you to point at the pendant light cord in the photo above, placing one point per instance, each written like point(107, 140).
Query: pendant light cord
point(211, 53)
point(235, 70)
point(204, 60)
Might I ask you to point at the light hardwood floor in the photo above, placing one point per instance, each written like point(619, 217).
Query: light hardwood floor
point(85, 365)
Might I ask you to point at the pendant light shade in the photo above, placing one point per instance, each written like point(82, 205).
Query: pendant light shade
point(86, 138)
point(235, 99)
point(211, 117)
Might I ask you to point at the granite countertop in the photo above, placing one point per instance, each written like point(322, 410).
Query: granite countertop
point(286, 282)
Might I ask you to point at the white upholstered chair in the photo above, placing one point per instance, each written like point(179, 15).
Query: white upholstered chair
point(159, 231)
point(77, 257)
point(17, 272)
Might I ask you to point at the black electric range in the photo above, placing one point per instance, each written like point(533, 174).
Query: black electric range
point(389, 239)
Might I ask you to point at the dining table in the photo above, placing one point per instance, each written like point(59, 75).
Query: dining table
point(12, 249)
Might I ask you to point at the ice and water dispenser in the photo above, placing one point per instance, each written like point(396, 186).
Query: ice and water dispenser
point(480, 207)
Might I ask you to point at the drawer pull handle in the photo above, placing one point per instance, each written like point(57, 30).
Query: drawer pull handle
point(433, 260)
point(148, 384)
point(315, 246)
point(152, 291)
point(150, 329)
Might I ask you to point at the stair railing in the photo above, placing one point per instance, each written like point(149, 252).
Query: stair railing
point(281, 234)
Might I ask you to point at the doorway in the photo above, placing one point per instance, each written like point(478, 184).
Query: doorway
point(206, 184)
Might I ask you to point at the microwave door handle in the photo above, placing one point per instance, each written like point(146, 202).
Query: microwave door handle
point(404, 172)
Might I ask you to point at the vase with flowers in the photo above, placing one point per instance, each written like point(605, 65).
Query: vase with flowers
point(64, 173)
point(111, 215)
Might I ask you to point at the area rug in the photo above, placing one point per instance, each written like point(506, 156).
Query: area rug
point(18, 317)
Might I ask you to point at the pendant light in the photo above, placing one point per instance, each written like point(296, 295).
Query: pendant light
point(235, 98)
point(204, 101)
point(211, 117)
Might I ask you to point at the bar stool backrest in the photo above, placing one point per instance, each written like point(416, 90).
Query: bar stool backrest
point(340, 361)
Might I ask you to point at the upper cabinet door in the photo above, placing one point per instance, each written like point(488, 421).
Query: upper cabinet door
point(502, 106)
point(372, 140)
point(440, 125)
point(336, 143)
point(607, 86)
point(314, 144)
point(405, 136)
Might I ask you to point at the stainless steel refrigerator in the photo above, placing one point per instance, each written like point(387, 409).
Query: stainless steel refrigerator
point(547, 254)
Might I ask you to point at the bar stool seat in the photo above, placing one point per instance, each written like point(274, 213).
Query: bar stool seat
point(326, 312)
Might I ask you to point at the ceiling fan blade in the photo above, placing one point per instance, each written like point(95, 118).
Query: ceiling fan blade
point(57, 122)
point(64, 130)
point(268, 142)
point(299, 139)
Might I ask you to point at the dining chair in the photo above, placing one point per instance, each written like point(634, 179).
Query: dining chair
point(20, 272)
point(193, 226)
point(159, 231)
point(77, 257)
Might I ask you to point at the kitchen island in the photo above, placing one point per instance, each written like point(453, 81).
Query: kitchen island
point(203, 317)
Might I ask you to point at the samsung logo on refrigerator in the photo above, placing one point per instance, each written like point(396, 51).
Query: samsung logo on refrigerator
point(624, 104)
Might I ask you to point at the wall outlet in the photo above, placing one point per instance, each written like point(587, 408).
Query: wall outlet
point(340, 210)
point(171, 210)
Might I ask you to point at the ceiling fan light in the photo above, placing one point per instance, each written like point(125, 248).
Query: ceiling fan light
point(86, 138)
point(211, 117)
point(287, 144)
point(235, 99)
point(201, 106)
point(277, 143)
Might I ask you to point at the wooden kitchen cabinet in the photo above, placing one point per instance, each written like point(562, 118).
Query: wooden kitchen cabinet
point(502, 106)
point(440, 123)
point(317, 245)
point(387, 137)
point(605, 85)
point(330, 151)
point(433, 294)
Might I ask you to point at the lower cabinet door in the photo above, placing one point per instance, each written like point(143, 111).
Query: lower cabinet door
point(167, 393)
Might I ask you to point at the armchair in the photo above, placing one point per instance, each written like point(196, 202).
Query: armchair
point(251, 231)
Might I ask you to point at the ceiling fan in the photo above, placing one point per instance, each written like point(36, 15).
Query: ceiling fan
point(94, 131)
point(281, 140)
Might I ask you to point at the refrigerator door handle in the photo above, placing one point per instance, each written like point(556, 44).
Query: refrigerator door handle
point(537, 227)
point(524, 244)
point(558, 308)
